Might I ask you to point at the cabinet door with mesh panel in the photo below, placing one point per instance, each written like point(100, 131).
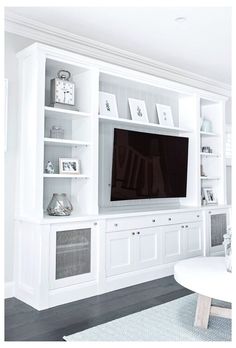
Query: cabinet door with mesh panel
point(73, 254)
point(218, 221)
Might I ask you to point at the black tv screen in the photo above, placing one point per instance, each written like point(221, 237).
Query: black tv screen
point(148, 165)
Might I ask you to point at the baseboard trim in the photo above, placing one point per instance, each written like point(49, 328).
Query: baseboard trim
point(9, 290)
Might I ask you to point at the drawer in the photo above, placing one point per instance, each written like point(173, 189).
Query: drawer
point(128, 223)
point(134, 222)
point(179, 218)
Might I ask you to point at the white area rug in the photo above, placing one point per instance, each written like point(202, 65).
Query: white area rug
point(172, 321)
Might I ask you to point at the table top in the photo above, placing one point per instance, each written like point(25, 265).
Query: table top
point(207, 276)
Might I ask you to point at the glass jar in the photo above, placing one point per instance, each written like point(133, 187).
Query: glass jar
point(59, 205)
point(57, 132)
point(206, 126)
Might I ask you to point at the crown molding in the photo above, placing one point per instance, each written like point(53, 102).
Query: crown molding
point(56, 37)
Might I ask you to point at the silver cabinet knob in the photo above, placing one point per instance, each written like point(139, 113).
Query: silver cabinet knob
point(133, 233)
point(153, 220)
point(115, 225)
point(138, 232)
point(169, 219)
point(95, 223)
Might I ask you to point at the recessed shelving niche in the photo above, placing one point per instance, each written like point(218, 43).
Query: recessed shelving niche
point(77, 141)
point(151, 91)
point(213, 162)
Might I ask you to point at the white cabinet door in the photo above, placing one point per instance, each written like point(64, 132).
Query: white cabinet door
point(172, 238)
point(120, 252)
point(148, 247)
point(192, 239)
point(72, 254)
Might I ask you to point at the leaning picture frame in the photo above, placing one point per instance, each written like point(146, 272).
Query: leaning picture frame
point(138, 110)
point(209, 195)
point(69, 166)
point(164, 115)
point(108, 105)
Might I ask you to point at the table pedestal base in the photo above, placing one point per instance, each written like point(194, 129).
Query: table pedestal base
point(205, 309)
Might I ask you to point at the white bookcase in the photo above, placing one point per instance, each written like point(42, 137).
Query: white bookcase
point(37, 68)
point(123, 244)
point(214, 165)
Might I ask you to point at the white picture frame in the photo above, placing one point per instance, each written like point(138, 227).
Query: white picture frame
point(164, 115)
point(209, 195)
point(69, 166)
point(108, 105)
point(138, 110)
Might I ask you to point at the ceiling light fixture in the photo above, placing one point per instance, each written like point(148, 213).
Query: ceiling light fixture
point(180, 19)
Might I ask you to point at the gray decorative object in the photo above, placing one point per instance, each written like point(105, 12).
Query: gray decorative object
point(228, 249)
point(49, 168)
point(57, 132)
point(59, 205)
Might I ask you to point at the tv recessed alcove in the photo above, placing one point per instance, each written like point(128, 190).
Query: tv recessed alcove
point(182, 107)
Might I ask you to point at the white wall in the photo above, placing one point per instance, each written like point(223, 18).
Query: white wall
point(14, 44)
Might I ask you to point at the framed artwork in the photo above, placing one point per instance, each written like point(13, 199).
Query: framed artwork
point(164, 114)
point(209, 195)
point(138, 110)
point(69, 166)
point(107, 104)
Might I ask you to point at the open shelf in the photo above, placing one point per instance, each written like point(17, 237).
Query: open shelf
point(66, 176)
point(64, 113)
point(209, 134)
point(123, 121)
point(64, 142)
point(209, 154)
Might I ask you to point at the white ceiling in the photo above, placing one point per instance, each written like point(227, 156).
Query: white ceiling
point(202, 44)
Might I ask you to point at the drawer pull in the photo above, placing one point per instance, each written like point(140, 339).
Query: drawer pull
point(182, 226)
point(133, 233)
point(115, 225)
point(186, 226)
point(198, 216)
point(138, 232)
point(209, 212)
point(153, 220)
point(95, 223)
point(169, 219)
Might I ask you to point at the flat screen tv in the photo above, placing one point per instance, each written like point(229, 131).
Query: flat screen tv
point(148, 166)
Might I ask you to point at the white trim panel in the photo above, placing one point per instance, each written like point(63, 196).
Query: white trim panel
point(9, 290)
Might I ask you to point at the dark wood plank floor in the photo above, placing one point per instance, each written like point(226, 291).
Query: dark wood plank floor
point(24, 323)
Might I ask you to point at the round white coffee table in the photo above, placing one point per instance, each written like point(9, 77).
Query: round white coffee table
point(208, 277)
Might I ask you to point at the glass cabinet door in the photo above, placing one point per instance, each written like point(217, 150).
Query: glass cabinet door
point(216, 224)
point(73, 252)
point(218, 229)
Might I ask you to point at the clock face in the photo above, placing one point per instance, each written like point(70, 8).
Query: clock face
point(64, 92)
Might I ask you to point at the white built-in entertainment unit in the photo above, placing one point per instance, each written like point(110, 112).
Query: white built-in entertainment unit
point(104, 245)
